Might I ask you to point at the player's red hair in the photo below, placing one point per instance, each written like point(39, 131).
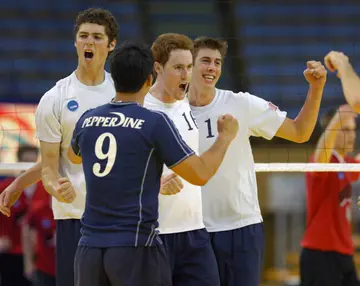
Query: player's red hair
point(166, 43)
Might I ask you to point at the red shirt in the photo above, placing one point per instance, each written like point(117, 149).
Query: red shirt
point(10, 227)
point(40, 218)
point(328, 226)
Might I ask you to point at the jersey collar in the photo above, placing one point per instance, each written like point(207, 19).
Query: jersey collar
point(122, 103)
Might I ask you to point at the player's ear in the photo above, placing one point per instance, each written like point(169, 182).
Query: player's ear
point(112, 45)
point(158, 67)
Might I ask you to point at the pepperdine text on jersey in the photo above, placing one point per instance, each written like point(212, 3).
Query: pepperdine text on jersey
point(120, 120)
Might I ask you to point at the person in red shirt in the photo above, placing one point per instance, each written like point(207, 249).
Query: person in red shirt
point(40, 220)
point(327, 255)
point(12, 262)
point(11, 252)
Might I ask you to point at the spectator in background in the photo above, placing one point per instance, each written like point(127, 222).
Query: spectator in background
point(40, 228)
point(12, 264)
point(327, 255)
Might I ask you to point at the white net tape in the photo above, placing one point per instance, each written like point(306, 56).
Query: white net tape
point(259, 167)
point(306, 167)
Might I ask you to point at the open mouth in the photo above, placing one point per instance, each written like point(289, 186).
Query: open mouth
point(183, 87)
point(209, 78)
point(88, 55)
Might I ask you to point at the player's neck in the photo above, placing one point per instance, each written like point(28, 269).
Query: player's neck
point(90, 77)
point(133, 97)
point(158, 91)
point(200, 97)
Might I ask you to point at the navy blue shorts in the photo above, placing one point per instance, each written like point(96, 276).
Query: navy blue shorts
point(67, 239)
point(122, 266)
point(192, 260)
point(239, 254)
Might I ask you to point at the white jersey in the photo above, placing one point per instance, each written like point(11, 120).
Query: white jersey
point(183, 211)
point(230, 198)
point(58, 111)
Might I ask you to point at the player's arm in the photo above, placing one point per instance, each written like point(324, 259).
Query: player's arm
point(74, 153)
point(57, 186)
point(75, 158)
point(351, 85)
point(12, 193)
point(27, 178)
point(300, 129)
point(179, 157)
point(50, 154)
point(198, 170)
point(48, 131)
point(350, 81)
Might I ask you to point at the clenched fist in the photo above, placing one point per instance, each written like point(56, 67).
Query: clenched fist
point(336, 61)
point(228, 126)
point(171, 185)
point(65, 192)
point(315, 74)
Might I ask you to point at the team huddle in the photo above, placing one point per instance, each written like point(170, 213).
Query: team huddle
point(150, 167)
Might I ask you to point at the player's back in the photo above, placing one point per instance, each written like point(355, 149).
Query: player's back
point(122, 175)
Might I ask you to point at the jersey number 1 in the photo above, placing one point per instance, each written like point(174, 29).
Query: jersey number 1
point(110, 155)
point(208, 122)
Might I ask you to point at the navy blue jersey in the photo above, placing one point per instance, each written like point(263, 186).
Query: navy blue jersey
point(123, 147)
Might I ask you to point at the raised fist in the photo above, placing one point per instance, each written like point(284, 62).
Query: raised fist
point(315, 74)
point(228, 126)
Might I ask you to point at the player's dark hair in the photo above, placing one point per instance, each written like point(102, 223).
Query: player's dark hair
point(130, 66)
point(210, 43)
point(326, 117)
point(101, 17)
point(166, 43)
point(24, 149)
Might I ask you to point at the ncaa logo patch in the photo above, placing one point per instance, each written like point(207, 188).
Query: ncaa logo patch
point(72, 105)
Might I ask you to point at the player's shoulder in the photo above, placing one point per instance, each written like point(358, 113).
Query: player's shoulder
point(238, 102)
point(154, 114)
point(157, 116)
point(227, 96)
point(152, 103)
point(59, 90)
point(97, 111)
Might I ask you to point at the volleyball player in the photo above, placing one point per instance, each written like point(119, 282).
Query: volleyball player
point(181, 226)
point(232, 215)
point(327, 254)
